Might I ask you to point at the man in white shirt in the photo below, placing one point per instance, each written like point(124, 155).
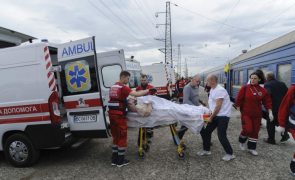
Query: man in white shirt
point(220, 106)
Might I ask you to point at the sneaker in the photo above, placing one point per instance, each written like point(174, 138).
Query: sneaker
point(284, 138)
point(243, 146)
point(124, 163)
point(204, 153)
point(228, 157)
point(253, 152)
point(269, 141)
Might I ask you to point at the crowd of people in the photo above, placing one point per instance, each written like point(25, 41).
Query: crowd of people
point(262, 97)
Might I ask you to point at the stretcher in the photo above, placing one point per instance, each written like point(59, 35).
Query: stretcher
point(167, 113)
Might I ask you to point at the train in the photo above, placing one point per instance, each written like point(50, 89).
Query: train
point(277, 56)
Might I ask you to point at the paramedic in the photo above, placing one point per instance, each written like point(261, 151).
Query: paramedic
point(286, 118)
point(220, 106)
point(117, 114)
point(143, 86)
point(180, 85)
point(248, 102)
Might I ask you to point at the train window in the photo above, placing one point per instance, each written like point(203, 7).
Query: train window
point(236, 75)
point(284, 73)
point(241, 77)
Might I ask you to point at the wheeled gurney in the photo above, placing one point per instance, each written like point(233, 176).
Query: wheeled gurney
point(167, 113)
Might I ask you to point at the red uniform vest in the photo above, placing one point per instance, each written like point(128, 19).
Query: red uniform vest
point(117, 102)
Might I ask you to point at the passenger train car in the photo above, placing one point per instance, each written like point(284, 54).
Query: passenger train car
point(277, 56)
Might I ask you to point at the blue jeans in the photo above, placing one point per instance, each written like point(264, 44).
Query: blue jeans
point(221, 123)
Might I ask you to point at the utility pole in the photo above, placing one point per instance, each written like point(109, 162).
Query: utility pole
point(179, 62)
point(186, 69)
point(168, 38)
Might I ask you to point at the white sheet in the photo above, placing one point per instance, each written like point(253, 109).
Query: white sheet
point(166, 112)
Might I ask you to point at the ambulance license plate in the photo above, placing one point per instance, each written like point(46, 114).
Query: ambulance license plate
point(85, 118)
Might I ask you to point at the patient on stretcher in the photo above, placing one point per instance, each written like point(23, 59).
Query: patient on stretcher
point(151, 111)
point(144, 109)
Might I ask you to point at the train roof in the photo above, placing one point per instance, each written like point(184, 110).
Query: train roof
point(274, 44)
point(214, 69)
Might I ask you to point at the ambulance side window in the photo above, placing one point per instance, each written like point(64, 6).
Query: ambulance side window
point(110, 74)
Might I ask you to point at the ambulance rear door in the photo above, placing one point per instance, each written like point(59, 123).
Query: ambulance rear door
point(81, 88)
point(110, 65)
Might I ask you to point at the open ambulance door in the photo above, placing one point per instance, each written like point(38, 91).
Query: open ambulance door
point(82, 94)
point(110, 65)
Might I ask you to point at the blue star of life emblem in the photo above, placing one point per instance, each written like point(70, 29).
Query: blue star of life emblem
point(77, 76)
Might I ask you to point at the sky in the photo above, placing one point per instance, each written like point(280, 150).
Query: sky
point(210, 32)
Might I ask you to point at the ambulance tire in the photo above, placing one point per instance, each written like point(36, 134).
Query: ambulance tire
point(33, 153)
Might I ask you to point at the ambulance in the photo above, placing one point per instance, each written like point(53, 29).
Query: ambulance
point(50, 94)
point(134, 68)
point(162, 77)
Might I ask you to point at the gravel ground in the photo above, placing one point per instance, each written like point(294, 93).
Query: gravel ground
point(92, 160)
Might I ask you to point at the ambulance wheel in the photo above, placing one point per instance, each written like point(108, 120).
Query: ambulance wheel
point(20, 151)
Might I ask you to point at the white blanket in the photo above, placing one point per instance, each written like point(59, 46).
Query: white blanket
point(166, 112)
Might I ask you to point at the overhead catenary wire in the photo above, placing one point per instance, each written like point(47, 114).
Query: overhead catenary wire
point(116, 24)
point(145, 17)
point(145, 6)
point(216, 21)
point(134, 24)
point(275, 18)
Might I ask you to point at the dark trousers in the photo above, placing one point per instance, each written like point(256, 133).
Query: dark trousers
point(271, 126)
point(221, 123)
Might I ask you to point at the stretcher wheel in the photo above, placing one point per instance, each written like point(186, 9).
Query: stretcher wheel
point(181, 156)
point(146, 148)
point(141, 155)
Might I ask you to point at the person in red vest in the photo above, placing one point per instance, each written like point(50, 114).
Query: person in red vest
point(286, 118)
point(180, 85)
point(143, 86)
point(117, 113)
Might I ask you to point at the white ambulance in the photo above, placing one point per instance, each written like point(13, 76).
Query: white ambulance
point(44, 101)
point(162, 77)
point(133, 67)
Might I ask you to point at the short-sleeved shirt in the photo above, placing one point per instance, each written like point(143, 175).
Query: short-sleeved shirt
point(220, 93)
point(120, 94)
point(125, 91)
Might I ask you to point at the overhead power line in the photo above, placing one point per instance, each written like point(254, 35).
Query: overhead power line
point(126, 29)
point(134, 24)
point(216, 21)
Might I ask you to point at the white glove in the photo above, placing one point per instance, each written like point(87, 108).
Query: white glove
point(270, 115)
point(280, 129)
